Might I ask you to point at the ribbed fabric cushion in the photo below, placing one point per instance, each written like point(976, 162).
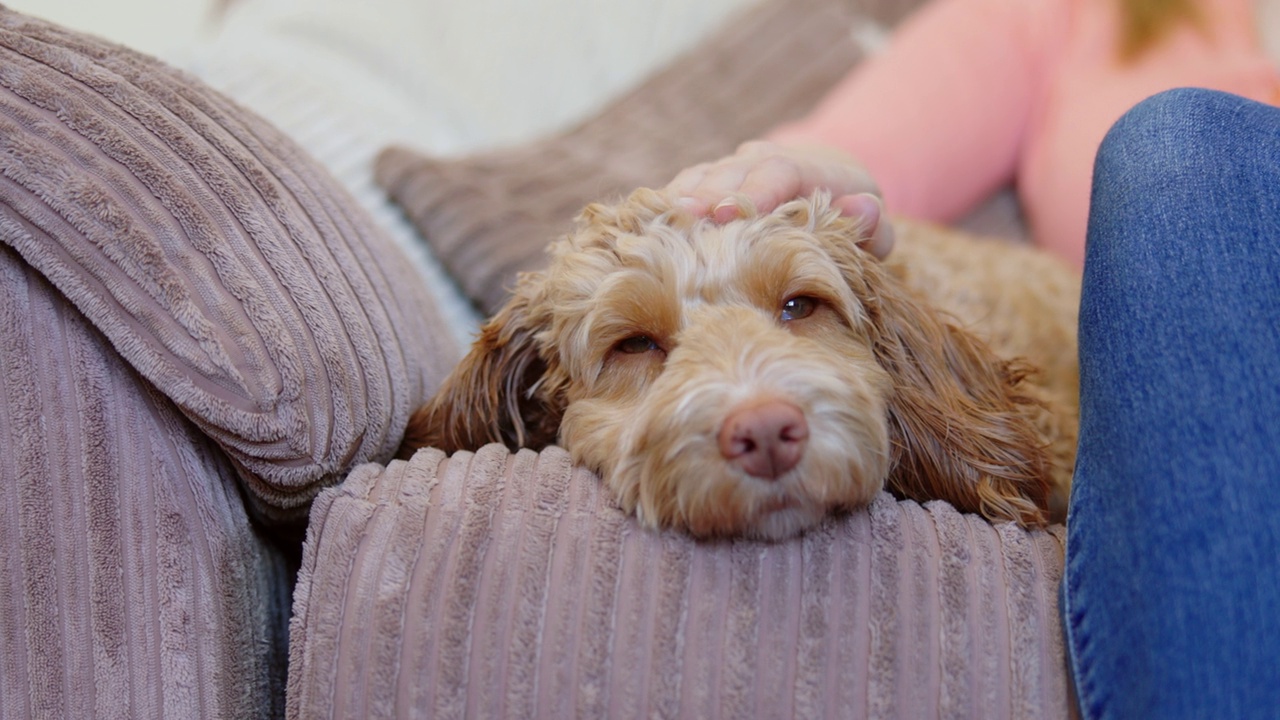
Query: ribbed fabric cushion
point(133, 584)
point(489, 216)
point(192, 313)
point(499, 585)
point(221, 262)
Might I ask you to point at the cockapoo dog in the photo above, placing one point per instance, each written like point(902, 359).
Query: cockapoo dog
point(751, 378)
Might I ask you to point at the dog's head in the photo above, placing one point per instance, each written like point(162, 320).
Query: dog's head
point(742, 379)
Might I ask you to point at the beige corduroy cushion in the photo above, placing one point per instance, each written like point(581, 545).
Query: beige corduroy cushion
point(192, 315)
point(223, 263)
point(500, 585)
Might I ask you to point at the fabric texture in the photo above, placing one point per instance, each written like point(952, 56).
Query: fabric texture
point(489, 216)
point(222, 263)
point(134, 585)
point(200, 331)
point(1174, 568)
point(500, 585)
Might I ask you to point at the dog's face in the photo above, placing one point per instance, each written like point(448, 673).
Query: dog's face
point(718, 378)
point(743, 379)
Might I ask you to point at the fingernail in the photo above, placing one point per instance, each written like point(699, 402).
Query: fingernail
point(726, 210)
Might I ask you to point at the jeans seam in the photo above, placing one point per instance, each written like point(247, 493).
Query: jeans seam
point(1078, 642)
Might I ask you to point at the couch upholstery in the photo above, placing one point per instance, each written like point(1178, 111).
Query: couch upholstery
point(206, 325)
point(500, 585)
point(201, 332)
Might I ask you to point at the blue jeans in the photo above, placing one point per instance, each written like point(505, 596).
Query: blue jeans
point(1171, 597)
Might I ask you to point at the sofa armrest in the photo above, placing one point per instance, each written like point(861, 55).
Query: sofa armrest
point(498, 584)
point(222, 263)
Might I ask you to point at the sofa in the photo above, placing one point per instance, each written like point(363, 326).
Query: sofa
point(226, 287)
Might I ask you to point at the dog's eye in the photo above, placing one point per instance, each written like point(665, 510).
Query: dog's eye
point(636, 344)
point(798, 308)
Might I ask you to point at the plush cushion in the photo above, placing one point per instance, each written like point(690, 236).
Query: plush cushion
point(192, 313)
point(223, 264)
point(493, 584)
point(488, 216)
point(134, 584)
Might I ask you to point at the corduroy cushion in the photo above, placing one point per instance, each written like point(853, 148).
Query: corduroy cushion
point(500, 585)
point(221, 262)
point(192, 313)
point(132, 583)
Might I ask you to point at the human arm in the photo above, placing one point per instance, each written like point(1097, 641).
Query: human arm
point(936, 121)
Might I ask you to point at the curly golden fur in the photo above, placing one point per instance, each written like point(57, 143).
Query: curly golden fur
point(750, 378)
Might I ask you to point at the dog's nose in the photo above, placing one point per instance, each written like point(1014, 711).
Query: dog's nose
point(765, 439)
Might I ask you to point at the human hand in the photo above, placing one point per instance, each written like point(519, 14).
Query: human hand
point(769, 174)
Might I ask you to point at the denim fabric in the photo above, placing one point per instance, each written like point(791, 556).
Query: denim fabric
point(1172, 585)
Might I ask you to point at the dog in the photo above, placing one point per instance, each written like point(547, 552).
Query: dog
point(750, 378)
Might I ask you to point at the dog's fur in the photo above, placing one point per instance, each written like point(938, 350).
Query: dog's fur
point(650, 328)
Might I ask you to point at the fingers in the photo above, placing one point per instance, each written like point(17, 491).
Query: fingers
point(686, 190)
point(767, 174)
point(710, 189)
point(771, 181)
point(877, 231)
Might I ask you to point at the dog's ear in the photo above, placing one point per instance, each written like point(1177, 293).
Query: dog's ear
point(497, 393)
point(959, 423)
